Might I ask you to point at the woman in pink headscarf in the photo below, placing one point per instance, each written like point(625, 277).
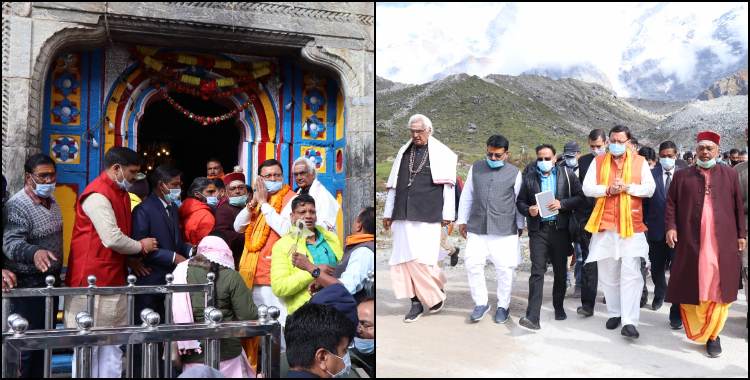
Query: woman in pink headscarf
point(231, 296)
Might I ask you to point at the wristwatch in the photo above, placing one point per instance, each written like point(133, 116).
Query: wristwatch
point(315, 273)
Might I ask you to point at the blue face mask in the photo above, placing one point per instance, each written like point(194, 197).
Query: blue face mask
point(571, 162)
point(365, 346)
point(544, 166)
point(667, 163)
point(617, 149)
point(212, 201)
point(238, 201)
point(598, 151)
point(273, 186)
point(347, 366)
point(173, 196)
point(43, 190)
point(495, 164)
point(706, 164)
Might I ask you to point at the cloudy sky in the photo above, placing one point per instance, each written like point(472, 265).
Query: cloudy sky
point(416, 41)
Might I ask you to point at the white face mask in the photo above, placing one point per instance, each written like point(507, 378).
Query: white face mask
point(124, 184)
point(347, 365)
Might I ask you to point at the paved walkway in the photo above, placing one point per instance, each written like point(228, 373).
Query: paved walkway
point(447, 345)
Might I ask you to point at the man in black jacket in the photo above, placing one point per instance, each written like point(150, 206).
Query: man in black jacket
point(548, 237)
point(597, 141)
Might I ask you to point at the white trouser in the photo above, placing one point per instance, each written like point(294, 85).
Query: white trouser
point(263, 295)
point(622, 282)
point(106, 361)
point(477, 254)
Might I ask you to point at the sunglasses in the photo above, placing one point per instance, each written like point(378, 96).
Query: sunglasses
point(495, 155)
point(544, 159)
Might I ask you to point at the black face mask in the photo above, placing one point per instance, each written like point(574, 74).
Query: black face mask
point(733, 162)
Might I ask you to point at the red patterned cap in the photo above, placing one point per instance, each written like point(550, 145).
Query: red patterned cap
point(233, 177)
point(710, 136)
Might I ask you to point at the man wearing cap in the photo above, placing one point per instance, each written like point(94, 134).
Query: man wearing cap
point(705, 225)
point(619, 180)
point(421, 197)
point(227, 212)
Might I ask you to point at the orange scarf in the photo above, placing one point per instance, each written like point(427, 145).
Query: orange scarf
point(358, 238)
point(626, 216)
point(256, 236)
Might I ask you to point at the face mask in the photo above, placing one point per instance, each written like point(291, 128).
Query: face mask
point(598, 151)
point(212, 201)
point(667, 163)
point(238, 201)
point(43, 190)
point(173, 196)
point(273, 186)
point(495, 164)
point(365, 346)
point(617, 149)
point(544, 166)
point(706, 164)
point(125, 185)
point(571, 162)
point(347, 365)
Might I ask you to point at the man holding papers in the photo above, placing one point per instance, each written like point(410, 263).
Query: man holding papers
point(548, 228)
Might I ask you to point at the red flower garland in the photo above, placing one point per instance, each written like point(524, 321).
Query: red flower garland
point(205, 120)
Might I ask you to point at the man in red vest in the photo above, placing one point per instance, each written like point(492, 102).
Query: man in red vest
point(99, 247)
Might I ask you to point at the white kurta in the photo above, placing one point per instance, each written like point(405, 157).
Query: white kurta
point(415, 241)
point(609, 244)
point(326, 207)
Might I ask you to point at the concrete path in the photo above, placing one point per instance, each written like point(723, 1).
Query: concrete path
point(447, 345)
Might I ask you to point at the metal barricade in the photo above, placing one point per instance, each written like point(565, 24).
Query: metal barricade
point(131, 290)
point(149, 334)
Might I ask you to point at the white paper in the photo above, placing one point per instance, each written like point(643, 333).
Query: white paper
point(542, 200)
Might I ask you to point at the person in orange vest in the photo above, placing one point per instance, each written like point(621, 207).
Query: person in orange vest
point(619, 180)
point(99, 247)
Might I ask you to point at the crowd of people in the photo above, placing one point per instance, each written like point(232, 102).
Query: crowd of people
point(615, 213)
point(266, 244)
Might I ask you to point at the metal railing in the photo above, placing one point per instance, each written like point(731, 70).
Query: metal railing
point(149, 334)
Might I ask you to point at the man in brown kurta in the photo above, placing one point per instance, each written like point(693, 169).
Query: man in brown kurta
point(227, 212)
point(707, 261)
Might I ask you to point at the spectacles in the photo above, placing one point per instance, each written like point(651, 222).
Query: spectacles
point(44, 177)
point(271, 175)
point(544, 159)
point(366, 325)
point(495, 155)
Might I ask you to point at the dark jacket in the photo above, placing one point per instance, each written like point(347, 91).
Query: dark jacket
point(654, 207)
point(150, 219)
point(569, 200)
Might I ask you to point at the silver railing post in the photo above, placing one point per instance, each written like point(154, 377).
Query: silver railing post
point(84, 353)
point(48, 320)
point(213, 352)
point(90, 297)
point(12, 357)
point(205, 342)
point(144, 359)
point(131, 322)
point(210, 292)
point(168, 320)
point(151, 351)
point(271, 345)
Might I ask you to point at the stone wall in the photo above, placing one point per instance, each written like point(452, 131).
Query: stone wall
point(336, 36)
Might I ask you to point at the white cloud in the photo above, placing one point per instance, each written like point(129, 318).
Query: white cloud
point(419, 40)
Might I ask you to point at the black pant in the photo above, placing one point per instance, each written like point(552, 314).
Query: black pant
point(547, 243)
point(156, 303)
point(589, 275)
point(661, 257)
point(32, 309)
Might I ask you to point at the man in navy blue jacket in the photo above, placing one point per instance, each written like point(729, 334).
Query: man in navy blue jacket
point(659, 253)
point(157, 216)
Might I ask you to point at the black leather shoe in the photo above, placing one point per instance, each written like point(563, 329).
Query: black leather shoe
point(675, 325)
point(612, 323)
point(414, 313)
point(656, 305)
point(529, 324)
point(560, 315)
point(454, 257)
point(630, 331)
point(586, 312)
point(713, 347)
